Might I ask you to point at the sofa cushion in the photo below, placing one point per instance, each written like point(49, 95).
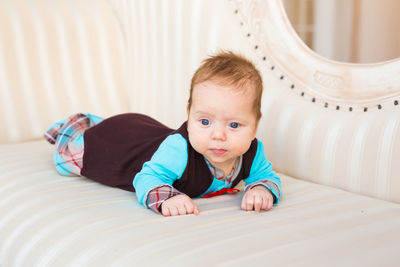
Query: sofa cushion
point(47, 219)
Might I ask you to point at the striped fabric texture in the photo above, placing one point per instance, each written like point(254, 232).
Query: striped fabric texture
point(327, 122)
point(58, 58)
point(52, 220)
point(305, 134)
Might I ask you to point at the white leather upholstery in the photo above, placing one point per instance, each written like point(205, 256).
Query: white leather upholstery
point(315, 124)
point(51, 220)
point(58, 57)
point(119, 56)
point(166, 42)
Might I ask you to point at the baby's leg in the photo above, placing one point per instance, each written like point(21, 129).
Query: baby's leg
point(67, 135)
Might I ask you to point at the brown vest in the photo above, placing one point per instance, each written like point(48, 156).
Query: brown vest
point(117, 148)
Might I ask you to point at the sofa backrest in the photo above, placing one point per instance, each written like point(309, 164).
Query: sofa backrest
point(314, 125)
point(166, 41)
point(324, 121)
point(139, 56)
point(57, 58)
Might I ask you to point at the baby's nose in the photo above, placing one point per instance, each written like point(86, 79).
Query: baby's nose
point(219, 133)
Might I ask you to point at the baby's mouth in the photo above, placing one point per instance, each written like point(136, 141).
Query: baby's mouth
point(218, 152)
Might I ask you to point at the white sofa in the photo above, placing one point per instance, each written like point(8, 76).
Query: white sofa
point(330, 129)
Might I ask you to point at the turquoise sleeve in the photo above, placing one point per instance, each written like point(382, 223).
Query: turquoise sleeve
point(261, 171)
point(166, 166)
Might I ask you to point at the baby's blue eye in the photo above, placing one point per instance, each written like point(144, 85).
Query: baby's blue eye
point(205, 122)
point(234, 125)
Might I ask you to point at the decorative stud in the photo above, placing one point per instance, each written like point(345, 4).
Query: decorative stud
point(313, 99)
point(264, 58)
point(337, 107)
point(272, 68)
point(350, 109)
point(302, 93)
point(379, 106)
point(292, 86)
point(282, 77)
point(365, 109)
point(396, 102)
point(256, 47)
point(248, 35)
point(236, 11)
point(326, 105)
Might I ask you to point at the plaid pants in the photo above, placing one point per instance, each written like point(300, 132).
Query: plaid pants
point(67, 135)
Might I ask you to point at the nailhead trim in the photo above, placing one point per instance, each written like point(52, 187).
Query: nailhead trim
point(396, 102)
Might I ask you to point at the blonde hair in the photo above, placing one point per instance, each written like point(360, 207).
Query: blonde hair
point(230, 69)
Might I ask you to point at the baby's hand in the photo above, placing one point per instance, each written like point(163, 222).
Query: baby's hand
point(179, 205)
point(259, 198)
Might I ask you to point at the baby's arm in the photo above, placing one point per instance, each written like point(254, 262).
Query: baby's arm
point(263, 186)
point(154, 183)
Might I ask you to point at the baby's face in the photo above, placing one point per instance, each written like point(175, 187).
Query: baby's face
point(221, 122)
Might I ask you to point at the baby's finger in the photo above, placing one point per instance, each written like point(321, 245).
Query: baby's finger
point(270, 203)
point(173, 211)
point(257, 203)
point(250, 203)
point(243, 205)
point(189, 207)
point(265, 203)
point(165, 211)
point(196, 210)
point(181, 209)
point(245, 201)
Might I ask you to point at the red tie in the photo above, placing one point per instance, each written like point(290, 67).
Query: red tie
point(221, 192)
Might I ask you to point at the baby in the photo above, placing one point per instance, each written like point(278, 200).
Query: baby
point(207, 156)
